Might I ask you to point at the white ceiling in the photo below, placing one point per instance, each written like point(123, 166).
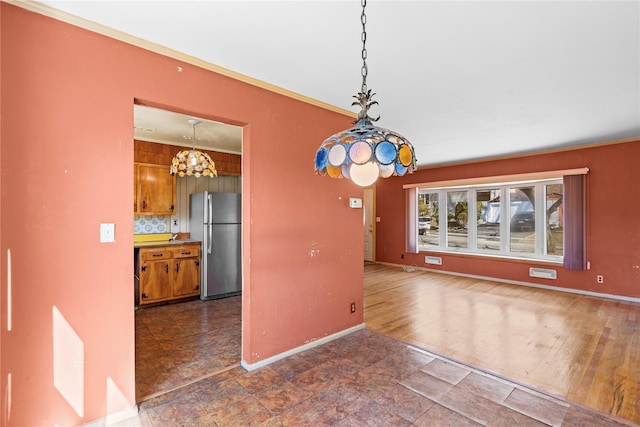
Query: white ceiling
point(461, 80)
point(167, 127)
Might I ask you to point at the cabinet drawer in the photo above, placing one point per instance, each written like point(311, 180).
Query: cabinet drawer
point(186, 251)
point(151, 254)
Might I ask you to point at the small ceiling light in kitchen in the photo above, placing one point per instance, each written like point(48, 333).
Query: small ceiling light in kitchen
point(193, 162)
point(365, 152)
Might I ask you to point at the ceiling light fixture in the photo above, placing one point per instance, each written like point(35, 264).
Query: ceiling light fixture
point(365, 152)
point(193, 162)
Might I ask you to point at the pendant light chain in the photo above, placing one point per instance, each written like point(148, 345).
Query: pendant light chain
point(365, 69)
point(365, 152)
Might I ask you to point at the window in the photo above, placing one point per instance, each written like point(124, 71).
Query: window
point(428, 219)
point(488, 220)
point(523, 220)
point(457, 219)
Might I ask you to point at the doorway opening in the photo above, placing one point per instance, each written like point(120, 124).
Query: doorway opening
point(183, 341)
point(369, 225)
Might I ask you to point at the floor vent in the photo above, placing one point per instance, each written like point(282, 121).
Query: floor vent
point(433, 260)
point(544, 273)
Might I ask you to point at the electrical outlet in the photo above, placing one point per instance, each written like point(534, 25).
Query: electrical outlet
point(353, 307)
point(600, 278)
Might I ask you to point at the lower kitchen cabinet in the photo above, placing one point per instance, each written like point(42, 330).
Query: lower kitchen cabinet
point(168, 273)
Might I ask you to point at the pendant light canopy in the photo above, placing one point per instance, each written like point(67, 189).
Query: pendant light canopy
point(365, 152)
point(193, 162)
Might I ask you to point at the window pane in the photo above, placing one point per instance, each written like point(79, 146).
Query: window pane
point(488, 231)
point(457, 210)
point(428, 214)
point(555, 219)
point(522, 225)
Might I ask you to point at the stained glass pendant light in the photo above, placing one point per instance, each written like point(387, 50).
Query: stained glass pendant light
point(193, 162)
point(365, 152)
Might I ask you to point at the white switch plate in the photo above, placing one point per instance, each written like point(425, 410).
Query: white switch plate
point(355, 203)
point(175, 226)
point(107, 233)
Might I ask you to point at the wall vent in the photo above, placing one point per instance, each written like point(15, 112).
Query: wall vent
point(433, 260)
point(544, 273)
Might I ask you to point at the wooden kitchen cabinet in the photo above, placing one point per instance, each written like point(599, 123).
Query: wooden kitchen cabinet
point(168, 273)
point(154, 190)
point(187, 271)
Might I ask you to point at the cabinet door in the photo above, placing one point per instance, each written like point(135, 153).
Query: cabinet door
point(186, 277)
point(155, 281)
point(155, 189)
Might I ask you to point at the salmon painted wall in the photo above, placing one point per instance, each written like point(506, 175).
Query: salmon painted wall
point(67, 166)
point(613, 223)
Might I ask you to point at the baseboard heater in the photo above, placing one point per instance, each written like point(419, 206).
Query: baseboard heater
point(543, 273)
point(433, 260)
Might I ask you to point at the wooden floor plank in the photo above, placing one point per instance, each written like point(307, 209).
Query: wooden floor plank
point(583, 348)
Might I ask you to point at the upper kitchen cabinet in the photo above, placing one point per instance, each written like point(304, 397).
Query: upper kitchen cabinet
point(155, 190)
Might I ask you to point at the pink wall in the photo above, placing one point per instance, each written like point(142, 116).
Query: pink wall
point(67, 166)
point(613, 223)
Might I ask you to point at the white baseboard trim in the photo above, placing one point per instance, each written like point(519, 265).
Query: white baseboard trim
point(516, 282)
point(117, 417)
point(304, 347)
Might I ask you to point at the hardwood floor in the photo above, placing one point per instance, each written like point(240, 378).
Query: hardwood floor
point(582, 348)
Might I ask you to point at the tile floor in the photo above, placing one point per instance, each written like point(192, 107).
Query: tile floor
point(362, 379)
point(183, 342)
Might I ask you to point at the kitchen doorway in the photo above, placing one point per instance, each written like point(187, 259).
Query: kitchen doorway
point(185, 341)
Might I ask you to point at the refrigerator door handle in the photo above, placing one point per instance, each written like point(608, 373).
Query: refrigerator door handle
point(209, 218)
point(209, 238)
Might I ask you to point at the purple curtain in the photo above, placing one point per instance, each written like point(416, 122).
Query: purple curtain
point(575, 248)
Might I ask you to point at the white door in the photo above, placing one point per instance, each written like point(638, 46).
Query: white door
point(368, 224)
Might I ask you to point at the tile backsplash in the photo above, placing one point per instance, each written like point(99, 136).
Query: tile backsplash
point(151, 224)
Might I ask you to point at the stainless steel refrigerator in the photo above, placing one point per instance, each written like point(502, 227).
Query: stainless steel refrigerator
point(215, 220)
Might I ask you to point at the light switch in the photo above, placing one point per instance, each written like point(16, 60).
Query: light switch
point(107, 233)
point(355, 203)
point(175, 227)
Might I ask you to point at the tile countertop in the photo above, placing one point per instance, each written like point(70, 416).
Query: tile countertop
point(157, 243)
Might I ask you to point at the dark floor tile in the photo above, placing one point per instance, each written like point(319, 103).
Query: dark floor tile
point(372, 414)
point(470, 405)
point(314, 412)
point(401, 401)
point(341, 368)
point(486, 386)
point(215, 395)
point(182, 411)
point(427, 385)
point(188, 392)
point(447, 371)
point(245, 412)
point(200, 368)
point(535, 405)
point(294, 365)
point(506, 417)
point(438, 415)
point(403, 363)
point(260, 380)
point(280, 398)
point(315, 380)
